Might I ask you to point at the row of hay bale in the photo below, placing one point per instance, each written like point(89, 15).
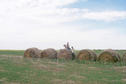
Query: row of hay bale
point(85, 54)
point(48, 53)
point(105, 56)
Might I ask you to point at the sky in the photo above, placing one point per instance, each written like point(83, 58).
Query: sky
point(86, 24)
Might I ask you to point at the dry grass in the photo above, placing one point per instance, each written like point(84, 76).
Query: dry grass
point(19, 70)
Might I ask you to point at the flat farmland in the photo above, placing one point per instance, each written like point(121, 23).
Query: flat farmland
point(15, 69)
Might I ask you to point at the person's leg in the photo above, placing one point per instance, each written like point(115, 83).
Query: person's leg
point(73, 56)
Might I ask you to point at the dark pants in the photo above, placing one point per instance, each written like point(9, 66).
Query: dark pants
point(73, 56)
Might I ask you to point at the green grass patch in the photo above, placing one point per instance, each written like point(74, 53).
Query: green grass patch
point(19, 70)
point(45, 71)
point(12, 52)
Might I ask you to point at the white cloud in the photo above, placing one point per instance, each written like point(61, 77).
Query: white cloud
point(105, 15)
point(51, 12)
point(39, 23)
point(35, 3)
point(44, 11)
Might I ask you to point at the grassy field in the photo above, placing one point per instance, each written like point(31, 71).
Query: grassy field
point(14, 69)
point(12, 52)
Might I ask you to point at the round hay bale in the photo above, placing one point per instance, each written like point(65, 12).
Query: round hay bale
point(109, 56)
point(124, 58)
point(64, 54)
point(86, 54)
point(32, 53)
point(49, 53)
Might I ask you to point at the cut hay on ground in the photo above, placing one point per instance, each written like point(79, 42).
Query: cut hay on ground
point(49, 53)
point(32, 53)
point(124, 58)
point(86, 54)
point(109, 56)
point(64, 54)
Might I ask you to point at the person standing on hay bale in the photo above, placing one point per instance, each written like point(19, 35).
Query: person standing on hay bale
point(67, 46)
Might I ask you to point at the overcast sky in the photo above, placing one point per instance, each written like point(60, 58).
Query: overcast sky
point(92, 24)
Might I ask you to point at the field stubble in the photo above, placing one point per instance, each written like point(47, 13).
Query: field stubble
point(14, 69)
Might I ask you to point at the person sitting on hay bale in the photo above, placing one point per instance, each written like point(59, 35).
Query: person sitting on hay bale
point(67, 46)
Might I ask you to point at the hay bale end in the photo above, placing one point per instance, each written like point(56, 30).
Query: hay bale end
point(64, 54)
point(32, 53)
point(109, 56)
point(124, 58)
point(87, 54)
point(49, 53)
